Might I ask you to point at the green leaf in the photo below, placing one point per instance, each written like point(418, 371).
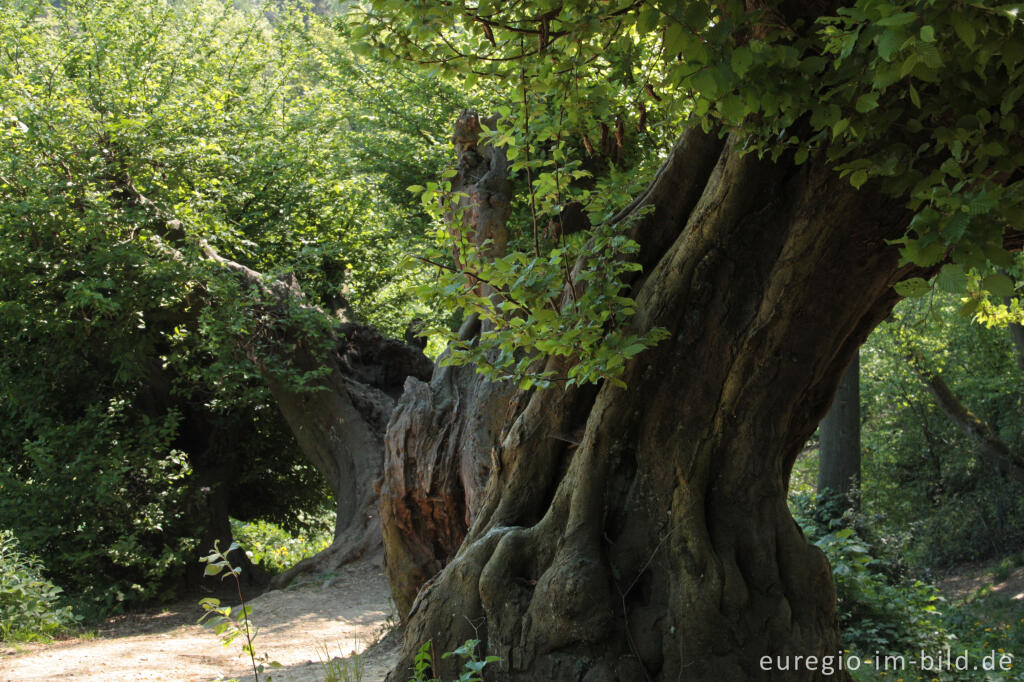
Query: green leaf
point(647, 21)
point(998, 284)
point(928, 34)
point(858, 178)
point(964, 29)
point(915, 98)
point(867, 102)
point(930, 54)
point(741, 61)
point(956, 226)
point(915, 287)
point(970, 307)
point(674, 40)
point(952, 278)
point(901, 19)
point(733, 108)
point(889, 43)
point(633, 349)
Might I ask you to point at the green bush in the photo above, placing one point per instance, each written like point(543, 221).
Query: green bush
point(29, 607)
point(275, 548)
point(878, 611)
point(102, 499)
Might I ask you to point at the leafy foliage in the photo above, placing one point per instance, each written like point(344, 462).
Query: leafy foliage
point(133, 132)
point(921, 97)
point(275, 549)
point(103, 488)
point(29, 603)
point(528, 320)
point(876, 612)
point(472, 666)
point(922, 476)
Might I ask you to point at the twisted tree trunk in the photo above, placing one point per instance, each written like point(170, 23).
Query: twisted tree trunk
point(659, 546)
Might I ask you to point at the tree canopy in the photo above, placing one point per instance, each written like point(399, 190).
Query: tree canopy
point(133, 136)
point(923, 98)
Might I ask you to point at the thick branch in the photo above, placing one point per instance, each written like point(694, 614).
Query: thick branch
point(990, 445)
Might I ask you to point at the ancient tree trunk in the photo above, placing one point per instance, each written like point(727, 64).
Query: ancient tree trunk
point(340, 420)
point(660, 546)
point(340, 428)
point(839, 454)
point(439, 441)
point(438, 459)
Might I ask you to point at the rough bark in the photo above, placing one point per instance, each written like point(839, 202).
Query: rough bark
point(440, 437)
point(437, 463)
point(660, 546)
point(839, 454)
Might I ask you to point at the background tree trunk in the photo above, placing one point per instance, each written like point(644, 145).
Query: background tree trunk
point(839, 454)
point(660, 546)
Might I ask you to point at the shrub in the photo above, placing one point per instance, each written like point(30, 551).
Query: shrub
point(275, 548)
point(878, 611)
point(29, 606)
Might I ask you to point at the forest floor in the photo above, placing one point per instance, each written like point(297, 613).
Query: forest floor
point(347, 612)
point(970, 579)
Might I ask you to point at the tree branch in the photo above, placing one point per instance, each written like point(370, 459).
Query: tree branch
point(990, 445)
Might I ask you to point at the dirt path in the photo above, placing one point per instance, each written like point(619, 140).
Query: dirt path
point(970, 578)
point(345, 615)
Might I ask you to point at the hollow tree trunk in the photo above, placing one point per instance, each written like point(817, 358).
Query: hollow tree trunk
point(839, 454)
point(438, 459)
point(441, 434)
point(660, 546)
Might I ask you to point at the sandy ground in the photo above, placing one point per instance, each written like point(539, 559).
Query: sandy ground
point(347, 614)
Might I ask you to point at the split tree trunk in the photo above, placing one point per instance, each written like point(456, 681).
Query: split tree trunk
point(660, 546)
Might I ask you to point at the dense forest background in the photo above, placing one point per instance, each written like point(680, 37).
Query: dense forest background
point(144, 143)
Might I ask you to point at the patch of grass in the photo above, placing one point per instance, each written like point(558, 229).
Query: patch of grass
point(341, 668)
